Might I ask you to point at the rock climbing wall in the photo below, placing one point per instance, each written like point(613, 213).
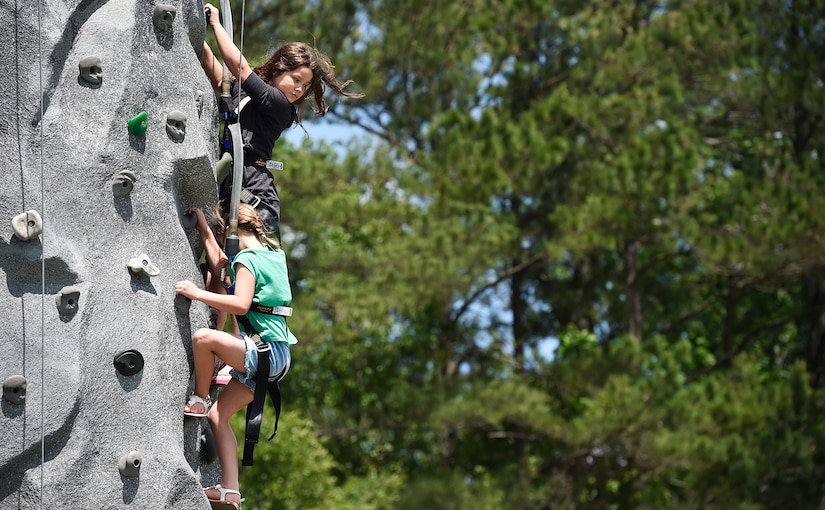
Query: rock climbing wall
point(95, 350)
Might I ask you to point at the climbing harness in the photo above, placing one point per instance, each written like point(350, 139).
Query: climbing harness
point(255, 410)
point(283, 311)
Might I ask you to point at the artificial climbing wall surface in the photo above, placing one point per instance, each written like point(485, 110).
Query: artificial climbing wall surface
point(106, 138)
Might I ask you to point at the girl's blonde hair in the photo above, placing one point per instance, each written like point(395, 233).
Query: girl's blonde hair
point(248, 220)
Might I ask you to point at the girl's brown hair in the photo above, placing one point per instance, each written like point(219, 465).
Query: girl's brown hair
point(293, 55)
point(248, 220)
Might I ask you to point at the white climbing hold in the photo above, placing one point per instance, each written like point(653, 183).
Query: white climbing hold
point(27, 225)
point(142, 264)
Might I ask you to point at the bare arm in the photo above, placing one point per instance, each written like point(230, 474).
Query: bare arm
point(215, 257)
point(235, 304)
point(212, 67)
point(230, 53)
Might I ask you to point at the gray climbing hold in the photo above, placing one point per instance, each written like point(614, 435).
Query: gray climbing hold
point(67, 300)
point(182, 304)
point(189, 220)
point(164, 16)
point(199, 101)
point(14, 389)
point(142, 264)
point(129, 362)
point(129, 464)
point(27, 225)
point(123, 182)
point(91, 70)
point(176, 125)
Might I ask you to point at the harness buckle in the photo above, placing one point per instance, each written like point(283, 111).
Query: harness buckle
point(250, 198)
point(285, 311)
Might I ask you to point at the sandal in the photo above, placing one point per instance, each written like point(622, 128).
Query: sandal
point(195, 399)
point(223, 503)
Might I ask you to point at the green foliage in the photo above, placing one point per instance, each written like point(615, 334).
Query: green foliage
point(476, 491)
point(294, 470)
point(636, 183)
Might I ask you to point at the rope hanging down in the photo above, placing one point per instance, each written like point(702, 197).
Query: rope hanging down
point(42, 260)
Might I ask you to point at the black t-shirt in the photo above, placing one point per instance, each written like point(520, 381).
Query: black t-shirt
point(266, 115)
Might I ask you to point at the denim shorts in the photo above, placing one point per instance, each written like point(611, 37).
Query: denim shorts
point(279, 362)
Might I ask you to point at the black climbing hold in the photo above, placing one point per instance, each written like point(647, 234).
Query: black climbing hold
point(14, 389)
point(129, 362)
point(182, 304)
point(208, 447)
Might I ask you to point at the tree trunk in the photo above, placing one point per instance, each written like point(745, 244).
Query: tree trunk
point(634, 304)
point(815, 310)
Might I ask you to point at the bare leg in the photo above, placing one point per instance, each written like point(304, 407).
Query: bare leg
point(235, 397)
point(206, 344)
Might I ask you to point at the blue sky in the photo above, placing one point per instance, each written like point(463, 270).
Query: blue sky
point(319, 130)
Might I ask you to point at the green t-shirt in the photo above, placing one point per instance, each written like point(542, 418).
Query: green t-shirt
point(271, 289)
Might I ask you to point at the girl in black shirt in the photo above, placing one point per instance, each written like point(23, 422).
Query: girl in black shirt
point(271, 99)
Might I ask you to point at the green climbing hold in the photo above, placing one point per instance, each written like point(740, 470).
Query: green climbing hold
point(138, 124)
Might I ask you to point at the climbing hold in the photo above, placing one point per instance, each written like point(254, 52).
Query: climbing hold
point(164, 16)
point(182, 304)
point(142, 264)
point(129, 362)
point(189, 220)
point(208, 447)
point(129, 464)
point(176, 125)
point(14, 389)
point(91, 70)
point(27, 225)
point(199, 101)
point(67, 300)
point(222, 167)
point(123, 182)
point(138, 124)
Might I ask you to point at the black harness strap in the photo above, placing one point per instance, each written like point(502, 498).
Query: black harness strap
point(255, 409)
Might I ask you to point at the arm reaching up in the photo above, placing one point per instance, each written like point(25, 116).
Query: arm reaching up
point(230, 53)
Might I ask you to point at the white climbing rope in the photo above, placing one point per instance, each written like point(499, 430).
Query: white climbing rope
point(42, 262)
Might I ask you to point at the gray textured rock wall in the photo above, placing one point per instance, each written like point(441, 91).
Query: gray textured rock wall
point(106, 198)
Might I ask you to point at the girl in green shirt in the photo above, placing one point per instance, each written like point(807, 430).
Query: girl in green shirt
point(259, 276)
